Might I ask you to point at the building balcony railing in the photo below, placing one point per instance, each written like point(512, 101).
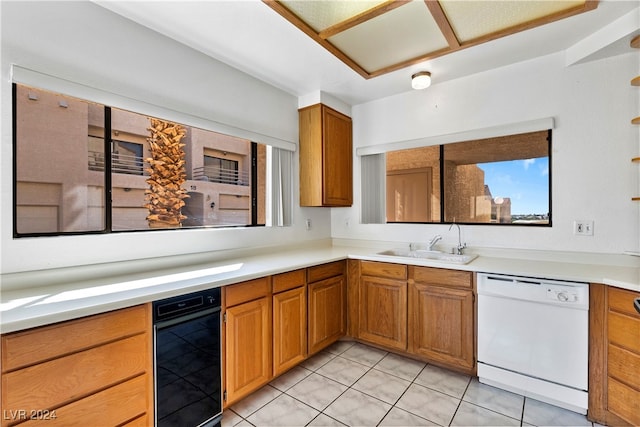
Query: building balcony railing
point(120, 163)
point(220, 175)
point(134, 165)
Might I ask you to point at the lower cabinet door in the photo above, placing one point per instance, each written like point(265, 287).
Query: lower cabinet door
point(383, 312)
point(248, 347)
point(441, 324)
point(289, 329)
point(327, 312)
point(623, 357)
point(623, 401)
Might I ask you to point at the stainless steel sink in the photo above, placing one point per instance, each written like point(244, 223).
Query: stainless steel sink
point(434, 255)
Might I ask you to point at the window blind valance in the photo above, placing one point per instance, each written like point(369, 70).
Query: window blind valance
point(488, 132)
point(45, 81)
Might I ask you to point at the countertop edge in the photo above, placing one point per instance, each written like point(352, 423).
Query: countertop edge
point(26, 308)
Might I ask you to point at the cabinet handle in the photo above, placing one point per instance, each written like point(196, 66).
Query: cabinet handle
point(636, 304)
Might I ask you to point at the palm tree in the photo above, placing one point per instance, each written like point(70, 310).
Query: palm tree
point(165, 196)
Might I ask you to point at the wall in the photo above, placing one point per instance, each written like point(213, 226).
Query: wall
point(593, 142)
point(86, 44)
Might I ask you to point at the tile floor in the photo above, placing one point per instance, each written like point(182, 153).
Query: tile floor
point(356, 385)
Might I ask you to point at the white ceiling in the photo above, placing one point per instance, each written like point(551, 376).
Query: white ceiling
point(250, 36)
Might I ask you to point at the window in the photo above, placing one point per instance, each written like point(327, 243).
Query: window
point(503, 180)
point(127, 158)
point(223, 171)
point(83, 167)
point(408, 194)
point(413, 185)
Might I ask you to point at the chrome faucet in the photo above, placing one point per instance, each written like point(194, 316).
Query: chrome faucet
point(430, 245)
point(433, 241)
point(461, 246)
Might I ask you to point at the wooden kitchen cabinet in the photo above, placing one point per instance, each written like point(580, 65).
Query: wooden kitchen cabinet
point(383, 304)
point(247, 338)
point(422, 312)
point(614, 356)
point(326, 305)
point(96, 370)
point(441, 316)
point(325, 157)
point(289, 320)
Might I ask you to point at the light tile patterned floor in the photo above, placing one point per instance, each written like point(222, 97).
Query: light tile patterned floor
point(351, 384)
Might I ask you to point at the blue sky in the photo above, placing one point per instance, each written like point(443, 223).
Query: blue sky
point(526, 182)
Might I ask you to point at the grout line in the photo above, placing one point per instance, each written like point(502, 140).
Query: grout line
point(392, 405)
point(460, 402)
point(455, 412)
point(294, 384)
point(322, 413)
point(398, 399)
point(330, 403)
point(350, 387)
point(262, 406)
point(413, 382)
point(490, 410)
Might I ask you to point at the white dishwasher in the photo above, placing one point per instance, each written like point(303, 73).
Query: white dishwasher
point(533, 337)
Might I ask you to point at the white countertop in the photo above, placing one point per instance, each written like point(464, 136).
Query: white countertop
point(63, 294)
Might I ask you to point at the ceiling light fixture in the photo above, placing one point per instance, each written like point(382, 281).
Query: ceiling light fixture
point(421, 80)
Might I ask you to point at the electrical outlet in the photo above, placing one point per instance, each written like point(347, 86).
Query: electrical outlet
point(583, 228)
point(307, 223)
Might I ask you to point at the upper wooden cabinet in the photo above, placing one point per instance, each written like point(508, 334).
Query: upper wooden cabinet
point(325, 157)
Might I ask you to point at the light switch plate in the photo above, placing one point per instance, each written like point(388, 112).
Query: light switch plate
point(583, 227)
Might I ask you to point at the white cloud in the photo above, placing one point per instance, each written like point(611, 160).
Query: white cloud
point(528, 162)
point(544, 171)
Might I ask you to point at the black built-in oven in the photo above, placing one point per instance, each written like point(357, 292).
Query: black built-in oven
point(187, 368)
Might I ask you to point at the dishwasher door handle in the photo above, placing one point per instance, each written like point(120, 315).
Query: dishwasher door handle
point(636, 304)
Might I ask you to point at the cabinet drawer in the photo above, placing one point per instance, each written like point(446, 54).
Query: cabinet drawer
point(113, 406)
point(441, 277)
point(29, 347)
point(324, 271)
point(621, 300)
point(624, 401)
point(142, 421)
point(383, 269)
point(60, 381)
point(247, 291)
point(624, 331)
point(623, 365)
point(286, 281)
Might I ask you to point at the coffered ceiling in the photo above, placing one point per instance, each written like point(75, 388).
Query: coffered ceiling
point(351, 54)
point(378, 37)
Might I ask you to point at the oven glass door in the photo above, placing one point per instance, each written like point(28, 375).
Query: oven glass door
point(188, 370)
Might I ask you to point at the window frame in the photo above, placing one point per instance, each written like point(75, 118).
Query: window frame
point(441, 141)
point(506, 224)
point(108, 143)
